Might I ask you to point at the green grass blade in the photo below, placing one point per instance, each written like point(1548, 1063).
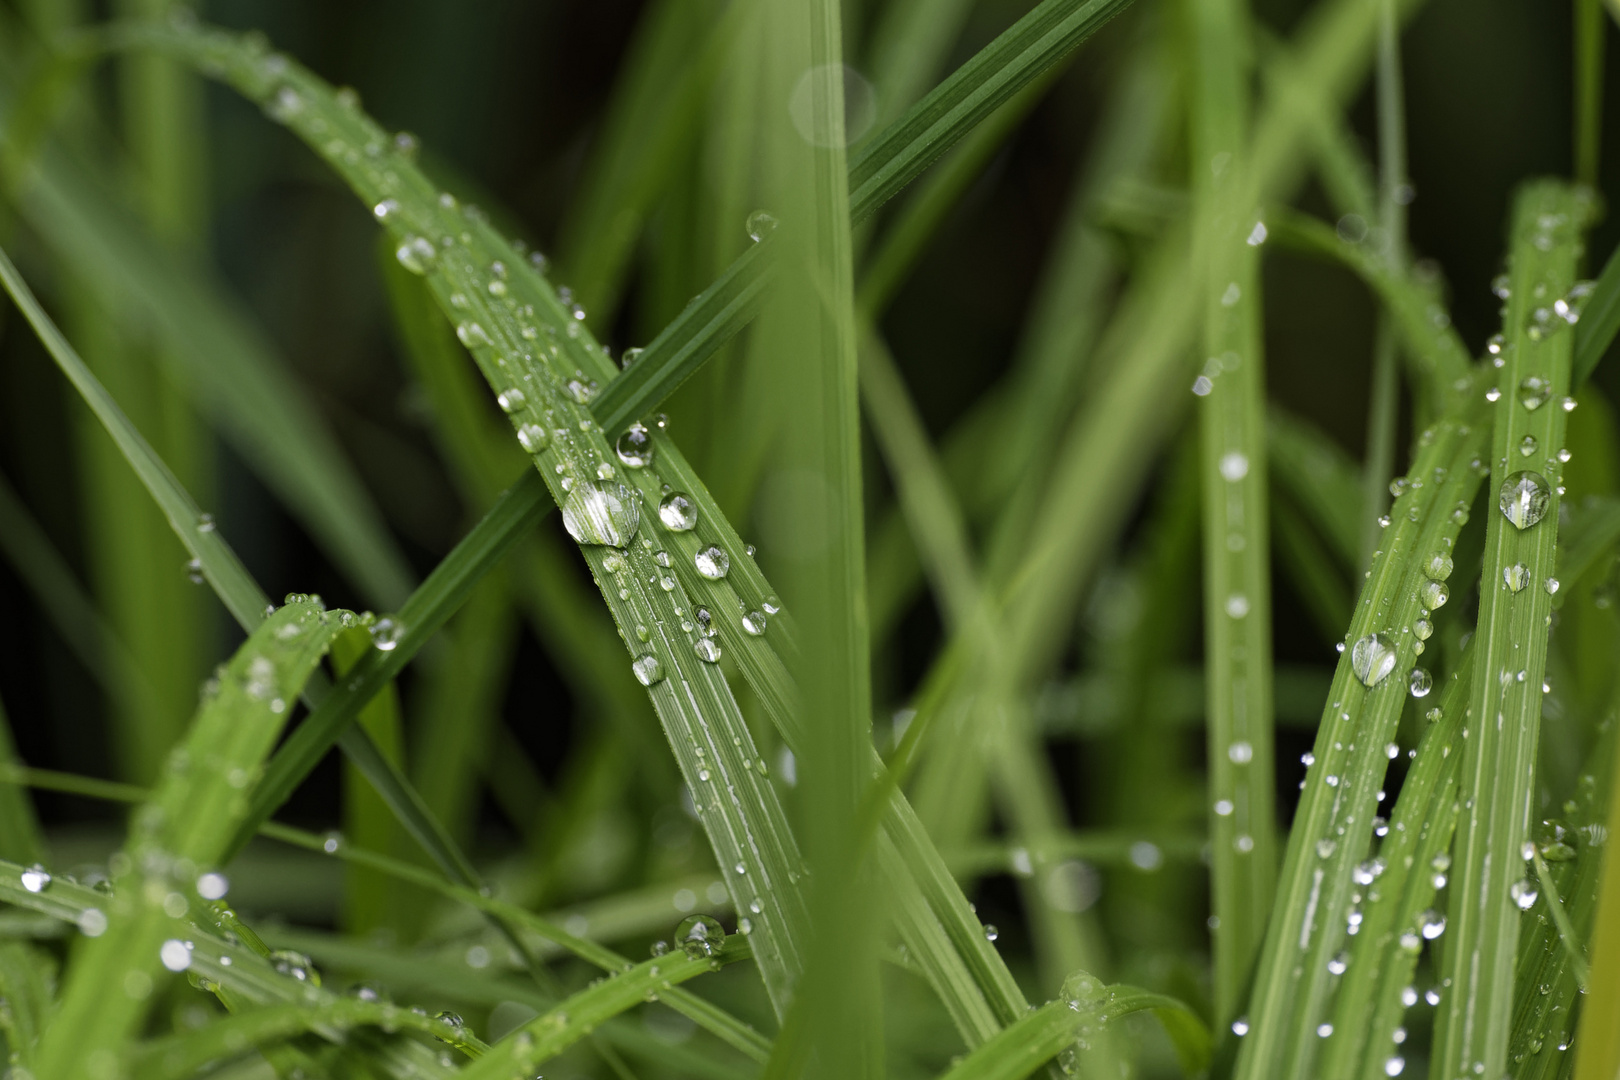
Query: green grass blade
point(1600, 321)
point(1589, 49)
point(707, 323)
point(1498, 760)
point(1025, 1046)
point(1597, 1055)
point(1333, 825)
point(179, 1056)
point(1392, 928)
point(909, 43)
point(427, 610)
point(27, 979)
point(181, 831)
point(194, 528)
point(520, 1053)
point(1319, 477)
point(230, 372)
point(20, 837)
point(900, 153)
point(1237, 564)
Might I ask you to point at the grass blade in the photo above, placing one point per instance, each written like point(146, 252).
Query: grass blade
point(1237, 563)
point(182, 830)
point(1516, 599)
point(900, 153)
point(20, 837)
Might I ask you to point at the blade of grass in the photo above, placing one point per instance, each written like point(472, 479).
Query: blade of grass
point(1320, 477)
point(900, 153)
point(1023, 1047)
point(184, 828)
point(1600, 321)
point(1392, 925)
point(20, 837)
point(1598, 1040)
point(1589, 49)
point(1237, 564)
point(1498, 760)
point(27, 979)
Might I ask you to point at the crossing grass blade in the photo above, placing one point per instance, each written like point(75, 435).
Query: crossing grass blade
point(181, 831)
point(1515, 601)
point(20, 837)
point(900, 153)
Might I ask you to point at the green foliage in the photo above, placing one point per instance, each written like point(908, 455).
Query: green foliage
point(1053, 531)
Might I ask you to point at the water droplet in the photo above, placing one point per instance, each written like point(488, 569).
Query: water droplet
point(36, 879)
point(1551, 585)
point(533, 438)
point(1568, 404)
point(1339, 964)
point(1523, 893)
point(754, 623)
point(647, 670)
point(1422, 629)
point(990, 932)
point(1493, 394)
point(760, 224)
point(1516, 577)
point(635, 447)
point(472, 335)
point(1325, 847)
point(1394, 1065)
point(92, 922)
point(707, 649)
point(213, 886)
point(1527, 446)
point(385, 209)
point(1240, 753)
point(511, 400)
point(581, 390)
point(600, 513)
point(1202, 386)
point(1373, 657)
point(295, 964)
point(1439, 566)
point(1257, 235)
point(1083, 992)
point(1421, 682)
point(630, 357)
point(1240, 1026)
point(1237, 606)
point(416, 254)
point(1434, 594)
point(175, 955)
point(1534, 391)
point(386, 632)
point(1323, 1030)
point(1524, 498)
point(712, 562)
point(677, 512)
point(1234, 466)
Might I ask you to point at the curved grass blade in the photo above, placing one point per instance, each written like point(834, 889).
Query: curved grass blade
point(900, 153)
point(544, 1037)
point(1600, 321)
point(1511, 641)
point(183, 828)
point(20, 836)
point(1023, 1047)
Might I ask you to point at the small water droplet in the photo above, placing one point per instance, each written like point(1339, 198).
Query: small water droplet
point(1527, 446)
point(1421, 682)
point(386, 633)
point(700, 936)
point(1523, 893)
point(1551, 585)
point(472, 334)
point(511, 400)
point(1339, 964)
point(36, 879)
point(1439, 566)
point(707, 649)
point(754, 622)
point(1325, 847)
point(1434, 594)
point(1240, 753)
point(1422, 629)
point(416, 254)
point(1234, 466)
point(1534, 391)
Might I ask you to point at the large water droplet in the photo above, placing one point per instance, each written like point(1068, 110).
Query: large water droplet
point(1431, 924)
point(635, 446)
point(1373, 657)
point(677, 512)
point(386, 633)
point(1434, 594)
point(647, 670)
point(471, 334)
point(511, 400)
point(1516, 577)
point(1524, 498)
point(36, 879)
point(1439, 566)
point(700, 936)
point(1523, 893)
point(712, 562)
point(760, 224)
point(707, 649)
point(754, 622)
point(602, 513)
